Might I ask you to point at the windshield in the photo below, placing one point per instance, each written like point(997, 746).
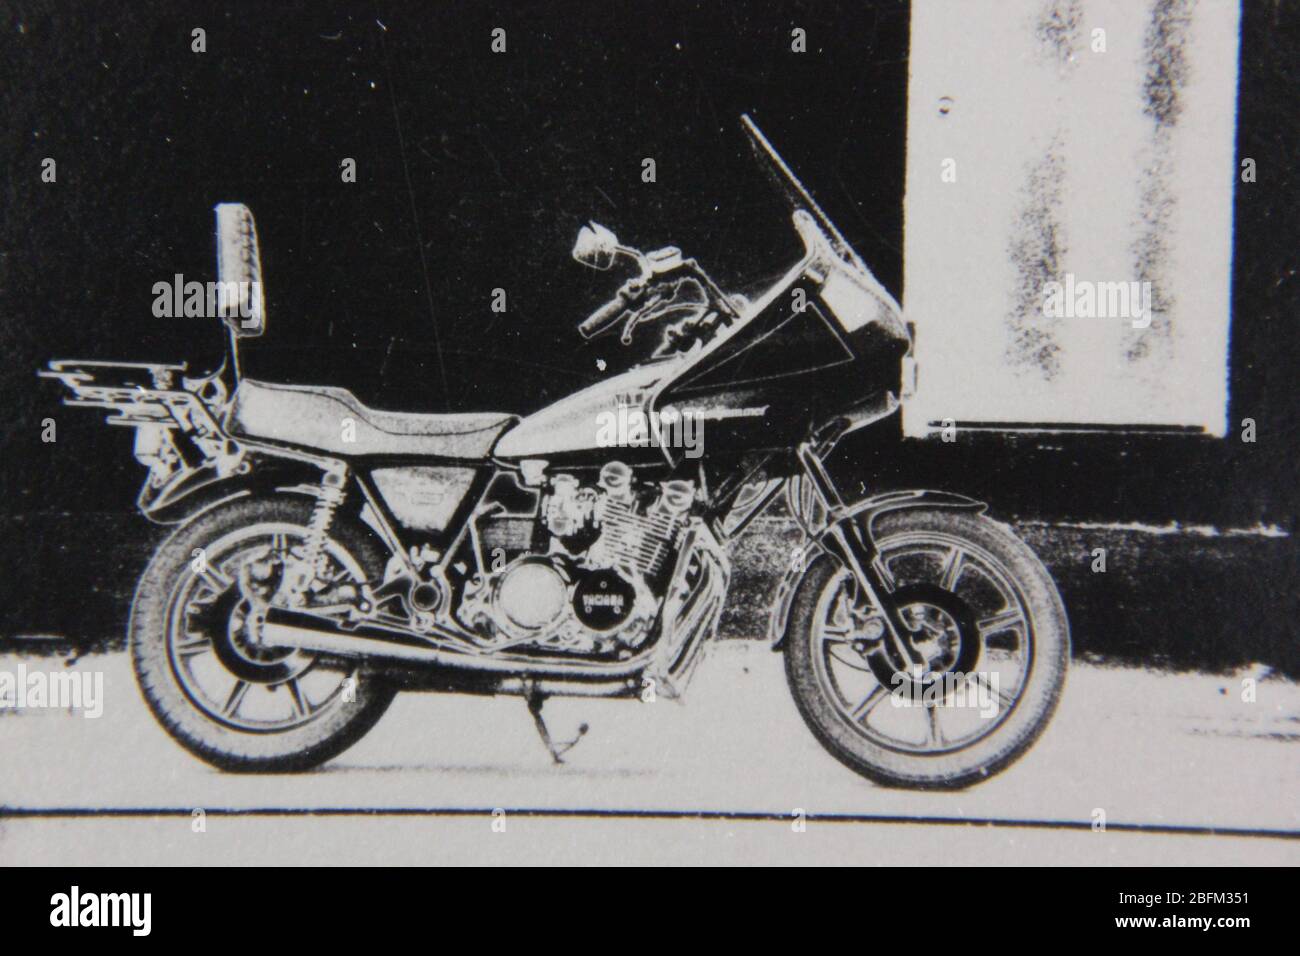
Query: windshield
point(796, 194)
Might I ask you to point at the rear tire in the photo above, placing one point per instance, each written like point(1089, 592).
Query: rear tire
point(163, 672)
point(1045, 638)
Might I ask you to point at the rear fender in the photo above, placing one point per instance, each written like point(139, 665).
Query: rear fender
point(202, 488)
point(867, 511)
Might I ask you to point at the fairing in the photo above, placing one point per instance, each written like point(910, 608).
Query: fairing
point(825, 338)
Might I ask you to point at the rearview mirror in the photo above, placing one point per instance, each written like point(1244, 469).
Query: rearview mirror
point(239, 271)
point(596, 246)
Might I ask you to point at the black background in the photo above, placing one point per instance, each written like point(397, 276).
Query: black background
point(475, 171)
point(493, 161)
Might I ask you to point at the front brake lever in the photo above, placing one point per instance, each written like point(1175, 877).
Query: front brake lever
point(661, 305)
point(639, 317)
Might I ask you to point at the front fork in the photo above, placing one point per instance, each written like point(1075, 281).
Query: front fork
point(850, 541)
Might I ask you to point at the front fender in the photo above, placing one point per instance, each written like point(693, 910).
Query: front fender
point(869, 509)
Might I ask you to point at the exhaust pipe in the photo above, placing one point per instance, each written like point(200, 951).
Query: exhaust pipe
point(288, 628)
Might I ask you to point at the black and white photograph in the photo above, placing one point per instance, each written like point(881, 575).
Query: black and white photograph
point(802, 433)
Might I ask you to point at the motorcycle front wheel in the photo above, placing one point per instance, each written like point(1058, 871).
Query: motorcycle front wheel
point(234, 703)
point(988, 657)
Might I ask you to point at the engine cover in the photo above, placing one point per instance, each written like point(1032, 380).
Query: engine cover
point(550, 604)
point(603, 599)
point(530, 597)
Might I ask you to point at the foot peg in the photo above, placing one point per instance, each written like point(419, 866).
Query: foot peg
point(556, 749)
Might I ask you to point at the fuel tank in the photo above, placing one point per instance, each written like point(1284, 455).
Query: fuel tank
point(609, 414)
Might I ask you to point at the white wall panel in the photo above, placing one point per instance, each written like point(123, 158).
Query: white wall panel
point(1114, 166)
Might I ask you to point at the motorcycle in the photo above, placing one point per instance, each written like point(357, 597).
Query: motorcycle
point(329, 555)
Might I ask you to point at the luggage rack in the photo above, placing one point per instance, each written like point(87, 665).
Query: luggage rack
point(160, 403)
point(178, 435)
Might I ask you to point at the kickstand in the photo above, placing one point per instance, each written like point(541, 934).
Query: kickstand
point(557, 750)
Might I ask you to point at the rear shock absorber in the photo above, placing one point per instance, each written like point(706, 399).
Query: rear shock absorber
point(329, 496)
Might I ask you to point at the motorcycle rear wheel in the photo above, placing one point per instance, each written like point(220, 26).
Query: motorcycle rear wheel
point(236, 705)
point(994, 659)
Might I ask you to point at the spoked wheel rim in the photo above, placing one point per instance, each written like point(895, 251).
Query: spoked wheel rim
point(227, 676)
point(977, 652)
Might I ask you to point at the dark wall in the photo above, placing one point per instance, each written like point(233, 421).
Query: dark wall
point(491, 161)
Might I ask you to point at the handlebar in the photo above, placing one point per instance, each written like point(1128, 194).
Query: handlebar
point(640, 301)
point(604, 318)
point(628, 298)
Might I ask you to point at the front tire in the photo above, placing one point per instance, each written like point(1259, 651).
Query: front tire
point(997, 644)
point(236, 705)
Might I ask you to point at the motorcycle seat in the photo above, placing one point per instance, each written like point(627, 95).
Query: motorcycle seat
point(324, 418)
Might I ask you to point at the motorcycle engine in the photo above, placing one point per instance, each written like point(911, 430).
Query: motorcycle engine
point(597, 585)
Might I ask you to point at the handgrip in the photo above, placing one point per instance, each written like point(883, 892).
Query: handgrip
point(604, 317)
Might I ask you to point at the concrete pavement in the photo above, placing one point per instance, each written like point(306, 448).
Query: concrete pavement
point(1150, 750)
